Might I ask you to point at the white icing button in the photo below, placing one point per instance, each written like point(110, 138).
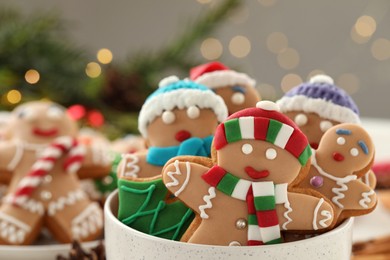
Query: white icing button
point(268, 105)
point(301, 119)
point(321, 78)
point(238, 98)
point(241, 223)
point(193, 112)
point(47, 178)
point(234, 243)
point(46, 195)
point(325, 125)
point(107, 180)
point(247, 148)
point(168, 117)
point(354, 152)
point(341, 140)
point(271, 153)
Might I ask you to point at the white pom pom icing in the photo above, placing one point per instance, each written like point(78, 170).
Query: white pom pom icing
point(321, 78)
point(167, 81)
point(268, 105)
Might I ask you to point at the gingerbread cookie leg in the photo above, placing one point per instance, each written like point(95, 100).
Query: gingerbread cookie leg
point(19, 226)
point(82, 220)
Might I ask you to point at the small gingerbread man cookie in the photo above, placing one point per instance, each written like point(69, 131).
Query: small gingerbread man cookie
point(42, 158)
point(179, 118)
point(345, 153)
point(237, 89)
point(247, 197)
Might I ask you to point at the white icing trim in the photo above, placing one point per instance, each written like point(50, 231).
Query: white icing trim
point(367, 178)
point(207, 198)
point(181, 98)
point(15, 221)
point(317, 208)
point(12, 229)
point(17, 157)
point(326, 109)
point(89, 188)
point(327, 215)
point(247, 127)
point(289, 210)
point(59, 204)
point(34, 206)
point(87, 222)
point(175, 182)
point(363, 202)
point(223, 78)
point(130, 165)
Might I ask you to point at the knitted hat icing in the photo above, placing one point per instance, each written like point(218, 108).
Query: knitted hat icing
point(216, 75)
point(266, 123)
point(174, 93)
point(322, 97)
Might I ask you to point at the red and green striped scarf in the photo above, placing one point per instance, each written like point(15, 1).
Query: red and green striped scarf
point(261, 198)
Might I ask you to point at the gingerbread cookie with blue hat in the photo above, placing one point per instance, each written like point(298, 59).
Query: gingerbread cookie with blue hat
point(345, 153)
point(179, 118)
point(237, 89)
point(43, 156)
point(317, 105)
point(247, 197)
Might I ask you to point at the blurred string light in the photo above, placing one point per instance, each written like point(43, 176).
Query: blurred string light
point(380, 49)
point(32, 76)
point(349, 82)
point(363, 29)
point(267, 2)
point(93, 70)
point(13, 96)
point(277, 42)
point(240, 46)
point(289, 81)
point(267, 91)
point(313, 73)
point(211, 49)
point(288, 59)
point(104, 56)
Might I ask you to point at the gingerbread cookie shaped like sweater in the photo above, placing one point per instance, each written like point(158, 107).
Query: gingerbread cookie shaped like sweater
point(237, 89)
point(317, 105)
point(345, 153)
point(246, 197)
point(42, 158)
point(179, 118)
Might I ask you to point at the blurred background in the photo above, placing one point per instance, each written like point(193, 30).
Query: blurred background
point(102, 58)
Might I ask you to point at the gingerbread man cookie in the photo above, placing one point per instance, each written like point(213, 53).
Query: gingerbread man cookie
point(42, 157)
point(345, 153)
point(316, 106)
point(179, 118)
point(247, 197)
point(237, 89)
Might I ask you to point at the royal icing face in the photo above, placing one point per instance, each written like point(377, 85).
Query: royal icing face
point(41, 122)
point(257, 160)
point(312, 125)
point(178, 125)
point(346, 147)
point(238, 97)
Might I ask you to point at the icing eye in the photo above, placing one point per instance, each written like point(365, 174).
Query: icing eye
point(55, 112)
point(341, 140)
point(27, 114)
point(247, 149)
point(325, 125)
point(271, 153)
point(354, 152)
point(300, 119)
point(238, 98)
point(168, 117)
point(193, 112)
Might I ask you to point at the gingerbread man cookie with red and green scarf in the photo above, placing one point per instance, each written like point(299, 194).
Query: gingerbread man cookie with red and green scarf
point(247, 197)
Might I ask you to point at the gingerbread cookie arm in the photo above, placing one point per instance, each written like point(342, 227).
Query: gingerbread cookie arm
point(359, 197)
point(10, 155)
point(184, 180)
point(305, 212)
point(96, 163)
point(134, 165)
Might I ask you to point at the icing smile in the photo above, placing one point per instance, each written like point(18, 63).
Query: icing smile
point(45, 133)
point(254, 174)
point(338, 157)
point(182, 135)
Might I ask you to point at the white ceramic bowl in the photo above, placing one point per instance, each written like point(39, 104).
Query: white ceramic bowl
point(123, 242)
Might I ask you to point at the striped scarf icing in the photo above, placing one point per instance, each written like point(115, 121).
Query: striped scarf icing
point(261, 198)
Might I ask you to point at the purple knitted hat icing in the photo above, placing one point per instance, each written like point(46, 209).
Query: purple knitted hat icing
point(322, 97)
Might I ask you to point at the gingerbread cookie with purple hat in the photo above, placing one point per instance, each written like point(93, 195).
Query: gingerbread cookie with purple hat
point(237, 89)
point(247, 197)
point(42, 158)
point(317, 105)
point(345, 153)
point(179, 118)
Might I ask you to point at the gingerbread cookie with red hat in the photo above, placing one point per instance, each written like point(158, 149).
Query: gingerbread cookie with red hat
point(345, 153)
point(237, 89)
point(317, 105)
point(247, 197)
point(43, 157)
